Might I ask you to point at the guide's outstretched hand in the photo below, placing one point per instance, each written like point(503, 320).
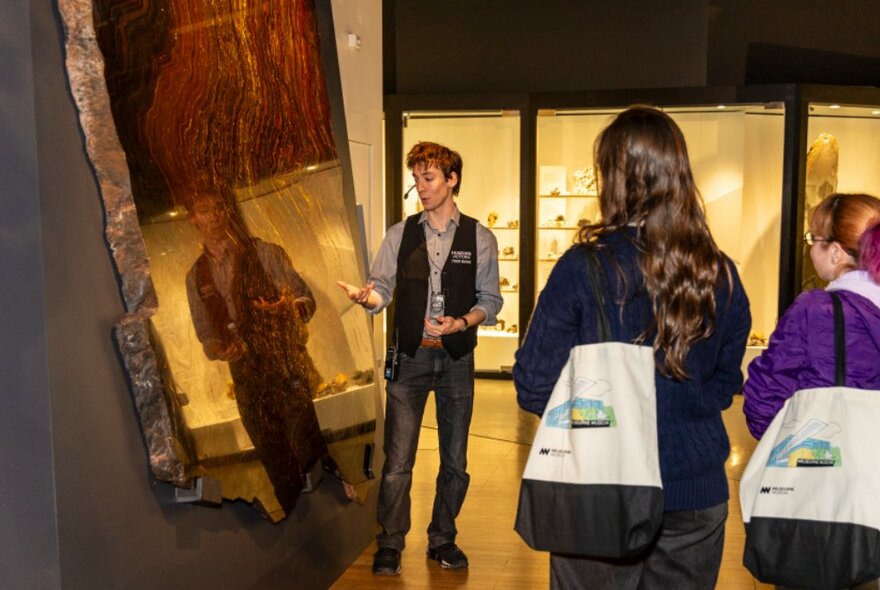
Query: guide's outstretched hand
point(363, 296)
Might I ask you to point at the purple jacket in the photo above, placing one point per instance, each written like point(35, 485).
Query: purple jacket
point(801, 350)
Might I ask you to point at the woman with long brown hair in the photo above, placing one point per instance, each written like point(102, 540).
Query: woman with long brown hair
point(666, 285)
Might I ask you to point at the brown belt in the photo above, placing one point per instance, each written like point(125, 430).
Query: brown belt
point(431, 343)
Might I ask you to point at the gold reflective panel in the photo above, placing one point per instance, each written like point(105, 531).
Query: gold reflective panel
point(209, 128)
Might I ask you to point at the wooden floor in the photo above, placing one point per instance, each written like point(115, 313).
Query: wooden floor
point(498, 447)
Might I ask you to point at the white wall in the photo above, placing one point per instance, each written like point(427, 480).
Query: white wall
point(361, 71)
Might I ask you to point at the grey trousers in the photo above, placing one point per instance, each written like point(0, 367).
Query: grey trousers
point(685, 556)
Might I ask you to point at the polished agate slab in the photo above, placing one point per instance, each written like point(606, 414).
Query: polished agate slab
point(181, 98)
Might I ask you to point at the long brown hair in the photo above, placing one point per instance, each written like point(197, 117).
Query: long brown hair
point(645, 180)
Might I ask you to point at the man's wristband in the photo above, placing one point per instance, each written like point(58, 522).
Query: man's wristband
point(466, 324)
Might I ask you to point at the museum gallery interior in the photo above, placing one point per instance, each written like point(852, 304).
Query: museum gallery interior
point(141, 446)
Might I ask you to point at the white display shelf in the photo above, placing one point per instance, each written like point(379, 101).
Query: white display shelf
point(336, 412)
point(489, 332)
point(752, 352)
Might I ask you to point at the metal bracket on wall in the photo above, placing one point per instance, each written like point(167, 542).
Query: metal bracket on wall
point(368, 462)
point(205, 491)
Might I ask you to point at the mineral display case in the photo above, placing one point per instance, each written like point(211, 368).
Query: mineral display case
point(762, 155)
point(843, 151)
point(736, 153)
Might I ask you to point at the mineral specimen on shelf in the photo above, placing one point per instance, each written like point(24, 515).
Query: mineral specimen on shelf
point(584, 181)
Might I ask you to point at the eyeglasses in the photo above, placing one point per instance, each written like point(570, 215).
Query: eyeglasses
point(810, 239)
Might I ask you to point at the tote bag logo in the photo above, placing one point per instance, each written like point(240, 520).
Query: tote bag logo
point(809, 446)
point(586, 408)
point(554, 452)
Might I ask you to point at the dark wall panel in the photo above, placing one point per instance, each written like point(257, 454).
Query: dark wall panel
point(460, 46)
point(547, 45)
point(28, 542)
point(794, 41)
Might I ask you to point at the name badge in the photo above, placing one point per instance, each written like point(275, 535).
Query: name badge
point(438, 304)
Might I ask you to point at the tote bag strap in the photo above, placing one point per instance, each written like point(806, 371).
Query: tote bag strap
point(839, 342)
point(594, 273)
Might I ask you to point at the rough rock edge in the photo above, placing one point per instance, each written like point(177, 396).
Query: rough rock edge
point(85, 70)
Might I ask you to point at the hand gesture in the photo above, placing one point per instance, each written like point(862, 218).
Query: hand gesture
point(360, 295)
point(231, 353)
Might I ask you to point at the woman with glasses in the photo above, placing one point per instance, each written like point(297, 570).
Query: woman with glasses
point(844, 240)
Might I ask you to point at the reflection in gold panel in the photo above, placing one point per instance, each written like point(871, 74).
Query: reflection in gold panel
point(247, 366)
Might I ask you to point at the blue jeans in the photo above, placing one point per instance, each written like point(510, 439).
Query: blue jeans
point(453, 385)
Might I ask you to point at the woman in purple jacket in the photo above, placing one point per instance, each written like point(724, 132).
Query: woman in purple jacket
point(844, 241)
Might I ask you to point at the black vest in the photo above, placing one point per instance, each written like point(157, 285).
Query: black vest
point(458, 281)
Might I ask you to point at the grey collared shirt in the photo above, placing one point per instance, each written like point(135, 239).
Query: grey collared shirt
point(439, 243)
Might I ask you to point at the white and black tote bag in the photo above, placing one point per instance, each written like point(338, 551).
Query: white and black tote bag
point(591, 485)
point(810, 494)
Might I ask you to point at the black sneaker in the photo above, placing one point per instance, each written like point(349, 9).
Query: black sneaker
point(386, 562)
point(449, 556)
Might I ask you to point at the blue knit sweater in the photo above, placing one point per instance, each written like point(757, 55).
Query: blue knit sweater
point(693, 442)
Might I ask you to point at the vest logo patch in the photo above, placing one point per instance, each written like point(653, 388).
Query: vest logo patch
point(460, 256)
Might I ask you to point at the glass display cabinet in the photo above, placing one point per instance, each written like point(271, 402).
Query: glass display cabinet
point(488, 142)
point(843, 149)
point(762, 156)
point(488, 132)
point(736, 153)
